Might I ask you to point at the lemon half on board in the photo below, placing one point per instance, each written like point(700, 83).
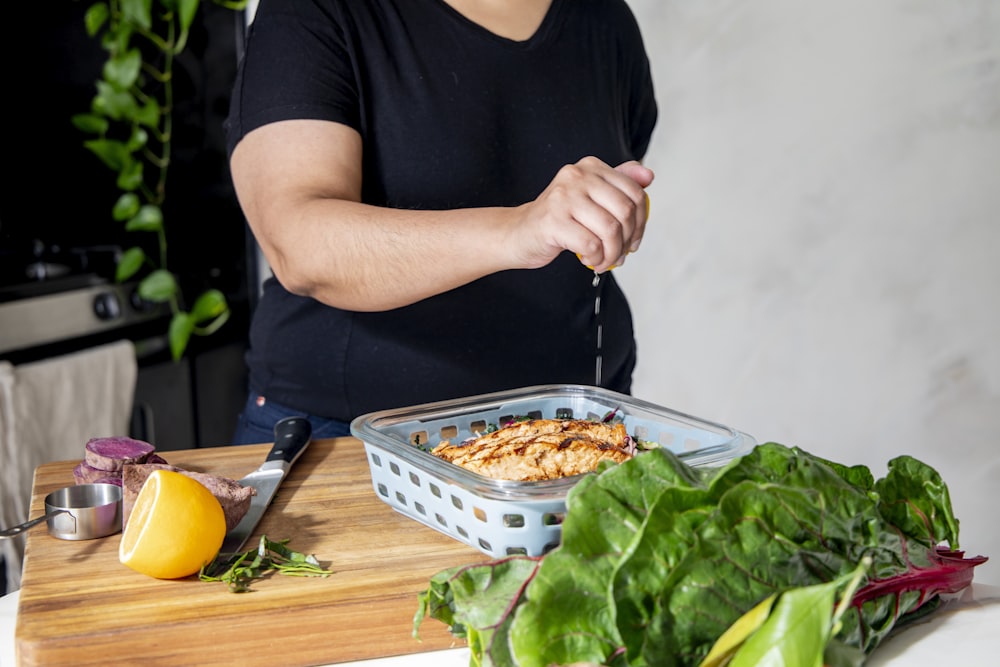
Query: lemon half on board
point(175, 527)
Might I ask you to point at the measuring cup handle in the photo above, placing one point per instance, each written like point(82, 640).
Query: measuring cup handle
point(17, 530)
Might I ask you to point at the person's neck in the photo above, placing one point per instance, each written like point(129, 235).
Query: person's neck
point(516, 20)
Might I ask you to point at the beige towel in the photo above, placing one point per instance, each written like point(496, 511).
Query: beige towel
point(48, 411)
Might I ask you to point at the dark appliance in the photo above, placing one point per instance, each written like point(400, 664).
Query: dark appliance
point(59, 245)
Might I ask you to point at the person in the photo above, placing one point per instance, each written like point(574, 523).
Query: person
point(441, 189)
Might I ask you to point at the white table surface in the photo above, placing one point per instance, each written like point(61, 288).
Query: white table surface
point(965, 631)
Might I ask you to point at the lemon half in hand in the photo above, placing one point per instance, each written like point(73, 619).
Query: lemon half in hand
point(175, 527)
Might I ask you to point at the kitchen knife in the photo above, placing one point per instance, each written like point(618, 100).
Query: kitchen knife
point(291, 437)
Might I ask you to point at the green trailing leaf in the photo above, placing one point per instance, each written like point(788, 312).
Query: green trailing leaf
point(159, 286)
point(96, 17)
point(113, 103)
point(148, 218)
point(126, 207)
point(122, 70)
point(210, 312)
point(210, 327)
point(138, 12)
point(148, 114)
point(112, 153)
point(90, 123)
point(137, 140)
point(181, 328)
point(117, 38)
point(186, 10)
point(135, 99)
point(129, 263)
point(130, 175)
point(209, 305)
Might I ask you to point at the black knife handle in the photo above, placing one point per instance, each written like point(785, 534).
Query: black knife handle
point(291, 436)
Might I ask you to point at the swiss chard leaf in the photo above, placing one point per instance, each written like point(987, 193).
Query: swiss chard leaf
point(606, 521)
point(916, 500)
point(658, 559)
point(795, 633)
point(477, 602)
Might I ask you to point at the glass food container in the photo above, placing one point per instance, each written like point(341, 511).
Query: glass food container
point(501, 517)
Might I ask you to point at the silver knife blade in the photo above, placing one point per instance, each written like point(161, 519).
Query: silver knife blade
point(291, 437)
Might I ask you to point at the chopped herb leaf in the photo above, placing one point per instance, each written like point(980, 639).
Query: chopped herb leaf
point(239, 570)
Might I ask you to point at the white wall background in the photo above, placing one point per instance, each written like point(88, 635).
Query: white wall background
point(822, 265)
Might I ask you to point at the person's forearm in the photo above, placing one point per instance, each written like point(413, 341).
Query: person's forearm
point(366, 258)
point(299, 183)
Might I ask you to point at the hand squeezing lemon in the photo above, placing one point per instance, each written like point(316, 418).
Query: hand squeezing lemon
point(613, 266)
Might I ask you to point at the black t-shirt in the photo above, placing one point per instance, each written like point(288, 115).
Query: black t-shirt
point(451, 116)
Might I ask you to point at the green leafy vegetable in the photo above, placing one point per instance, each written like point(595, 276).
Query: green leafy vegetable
point(795, 631)
point(240, 570)
point(480, 596)
point(659, 559)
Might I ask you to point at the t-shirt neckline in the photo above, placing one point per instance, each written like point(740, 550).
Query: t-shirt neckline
point(539, 35)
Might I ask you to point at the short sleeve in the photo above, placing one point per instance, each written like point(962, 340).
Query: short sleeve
point(642, 108)
point(298, 64)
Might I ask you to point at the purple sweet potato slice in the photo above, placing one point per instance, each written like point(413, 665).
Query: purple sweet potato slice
point(85, 474)
point(233, 496)
point(113, 453)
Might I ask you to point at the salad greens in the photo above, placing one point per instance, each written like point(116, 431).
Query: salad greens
point(659, 559)
point(794, 628)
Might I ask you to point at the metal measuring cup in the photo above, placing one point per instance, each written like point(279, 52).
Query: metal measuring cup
point(81, 512)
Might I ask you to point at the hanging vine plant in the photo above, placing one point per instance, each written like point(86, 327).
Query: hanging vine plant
point(130, 125)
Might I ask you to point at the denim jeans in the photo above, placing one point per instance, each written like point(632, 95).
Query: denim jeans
point(256, 423)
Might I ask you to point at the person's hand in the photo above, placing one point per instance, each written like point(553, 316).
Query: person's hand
point(591, 209)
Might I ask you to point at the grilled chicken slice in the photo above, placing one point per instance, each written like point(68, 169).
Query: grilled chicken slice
point(540, 449)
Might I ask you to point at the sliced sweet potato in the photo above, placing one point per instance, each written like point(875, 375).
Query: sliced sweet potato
point(85, 474)
point(113, 453)
point(233, 496)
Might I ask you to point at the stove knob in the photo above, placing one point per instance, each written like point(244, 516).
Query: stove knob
point(139, 304)
point(107, 306)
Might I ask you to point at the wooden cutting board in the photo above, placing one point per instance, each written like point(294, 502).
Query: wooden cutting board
point(79, 606)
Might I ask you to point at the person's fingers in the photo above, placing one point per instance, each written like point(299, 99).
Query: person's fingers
point(614, 221)
point(598, 236)
point(638, 172)
point(595, 211)
point(628, 203)
point(641, 226)
point(642, 176)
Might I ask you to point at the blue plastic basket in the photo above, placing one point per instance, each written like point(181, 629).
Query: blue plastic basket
point(500, 517)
